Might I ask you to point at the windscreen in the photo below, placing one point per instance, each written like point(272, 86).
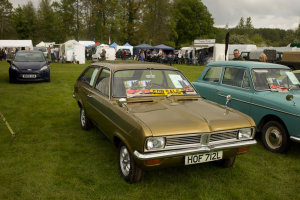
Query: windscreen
point(274, 79)
point(29, 57)
point(150, 82)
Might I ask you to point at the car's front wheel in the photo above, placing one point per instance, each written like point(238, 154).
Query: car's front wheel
point(85, 123)
point(275, 137)
point(128, 168)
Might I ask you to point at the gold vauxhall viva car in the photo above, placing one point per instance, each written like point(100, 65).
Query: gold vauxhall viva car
point(155, 117)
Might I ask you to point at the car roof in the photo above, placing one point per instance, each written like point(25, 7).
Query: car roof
point(247, 64)
point(30, 51)
point(115, 66)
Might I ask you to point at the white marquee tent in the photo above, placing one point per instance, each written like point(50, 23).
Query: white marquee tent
point(72, 46)
point(16, 44)
point(45, 44)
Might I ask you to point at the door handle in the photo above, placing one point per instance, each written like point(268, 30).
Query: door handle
point(217, 90)
point(89, 95)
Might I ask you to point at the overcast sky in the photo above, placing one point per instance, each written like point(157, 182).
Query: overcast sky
point(283, 14)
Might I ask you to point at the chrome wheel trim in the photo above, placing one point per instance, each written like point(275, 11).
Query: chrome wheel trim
point(124, 161)
point(273, 137)
point(82, 118)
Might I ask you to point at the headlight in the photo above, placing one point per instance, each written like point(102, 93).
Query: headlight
point(245, 133)
point(14, 68)
point(44, 68)
point(154, 143)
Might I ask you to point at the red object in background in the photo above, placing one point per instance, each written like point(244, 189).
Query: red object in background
point(137, 91)
point(145, 91)
point(273, 87)
point(189, 89)
point(130, 91)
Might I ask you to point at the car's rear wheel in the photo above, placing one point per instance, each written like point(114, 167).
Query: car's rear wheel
point(275, 137)
point(85, 123)
point(128, 168)
point(227, 162)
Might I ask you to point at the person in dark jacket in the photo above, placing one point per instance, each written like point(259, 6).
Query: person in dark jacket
point(237, 55)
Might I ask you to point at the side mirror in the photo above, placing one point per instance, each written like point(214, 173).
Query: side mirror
point(49, 61)
point(123, 101)
point(228, 99)
point(9, 61)
point(289, 97)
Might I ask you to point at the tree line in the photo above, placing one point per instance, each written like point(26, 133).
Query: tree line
point(172, 22)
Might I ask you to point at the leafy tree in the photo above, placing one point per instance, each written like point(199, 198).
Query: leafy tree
point(156, 27)
point(192, 20)
point(248, 24)
point(25, 21)
point(239, 39)
point(5, 13)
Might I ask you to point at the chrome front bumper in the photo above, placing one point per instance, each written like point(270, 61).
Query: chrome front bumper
point(295, 139)
point(182, 152)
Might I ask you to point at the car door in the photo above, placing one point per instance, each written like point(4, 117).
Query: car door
point(235, 82)
point(208, 83)
point(85, 86)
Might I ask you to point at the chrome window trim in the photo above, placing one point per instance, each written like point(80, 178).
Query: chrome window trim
point(262, 106)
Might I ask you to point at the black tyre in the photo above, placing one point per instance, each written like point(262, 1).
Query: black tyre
point(227, 162)
point(275, 137)
point(127, 166)
point(85, 123)
point(11, 79)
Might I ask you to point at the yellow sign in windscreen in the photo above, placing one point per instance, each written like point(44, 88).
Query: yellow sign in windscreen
point(166, 92)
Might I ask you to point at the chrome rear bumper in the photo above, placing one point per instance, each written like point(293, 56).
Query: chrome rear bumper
point(182, 152)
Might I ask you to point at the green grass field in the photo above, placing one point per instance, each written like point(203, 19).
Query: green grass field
point(53, 158)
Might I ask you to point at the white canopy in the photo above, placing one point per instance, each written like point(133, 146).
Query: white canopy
point(87, 43)
point(72, 46)
point(16, 44)
point(45, 44)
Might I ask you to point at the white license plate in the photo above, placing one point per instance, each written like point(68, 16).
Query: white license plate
point(204, 157)
point(29, 76)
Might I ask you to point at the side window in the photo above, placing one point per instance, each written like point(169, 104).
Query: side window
point(89, 76)
point(246, 83)
point(234, 77)
point(102, 84)
point(213, 74)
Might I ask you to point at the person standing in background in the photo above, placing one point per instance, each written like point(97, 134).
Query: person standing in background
point(237, 56)
point(263, 58)
point(52, 54)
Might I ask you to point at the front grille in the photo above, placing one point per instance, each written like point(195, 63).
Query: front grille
point(194, 140)
point(183, 140)
point(223, 137)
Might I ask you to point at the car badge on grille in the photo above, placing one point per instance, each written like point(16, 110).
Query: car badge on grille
point(29, 69)
point(205, 139)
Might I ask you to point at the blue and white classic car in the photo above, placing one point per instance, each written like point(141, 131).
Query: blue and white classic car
point(269, 93)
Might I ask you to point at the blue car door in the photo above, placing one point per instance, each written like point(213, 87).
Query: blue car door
point(235, 82)
point(207, 84)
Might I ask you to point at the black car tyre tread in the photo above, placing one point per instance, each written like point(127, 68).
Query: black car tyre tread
point(88, 124)
point(284, 145)
point(227, 162)
point(135, 173)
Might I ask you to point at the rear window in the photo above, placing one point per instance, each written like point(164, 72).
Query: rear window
point(29, 57)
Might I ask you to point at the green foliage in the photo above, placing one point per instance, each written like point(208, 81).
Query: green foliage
point(239, 39)
point(25, 21)
point(5, 17)
point(192, 20)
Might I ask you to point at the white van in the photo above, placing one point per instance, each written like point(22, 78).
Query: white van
point(110, 53)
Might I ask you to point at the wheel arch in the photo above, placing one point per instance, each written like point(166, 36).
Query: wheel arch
point(268, 118)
